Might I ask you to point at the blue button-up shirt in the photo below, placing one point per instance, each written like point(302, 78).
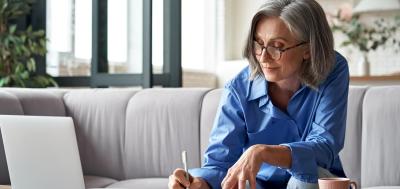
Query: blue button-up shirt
point(313, 127)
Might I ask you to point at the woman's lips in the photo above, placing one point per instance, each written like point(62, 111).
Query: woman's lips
point(269, 68)
point(263, 65)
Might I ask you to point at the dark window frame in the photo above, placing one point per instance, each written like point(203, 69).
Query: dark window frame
point(172, 71)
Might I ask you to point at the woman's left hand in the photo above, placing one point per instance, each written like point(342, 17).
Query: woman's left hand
point(246, 168)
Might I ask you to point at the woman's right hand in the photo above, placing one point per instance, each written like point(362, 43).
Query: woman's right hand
point(178, 181)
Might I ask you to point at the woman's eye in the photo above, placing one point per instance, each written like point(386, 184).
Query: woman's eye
point(278, 45)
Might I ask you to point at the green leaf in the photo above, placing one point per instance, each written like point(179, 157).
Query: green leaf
point(39, 33)
point(44, 81)
point(6, 42)
point(20, 68)
point(346, 43)
point(53, 82)
point(13, 28)
point(17, 81)
point(5, 81)
point(26, 51)
point(25, 75)
point(42, 43)
point(31, 65)
point(23, 38)
point(41, 81)
point(4, 4)
point(17, 48)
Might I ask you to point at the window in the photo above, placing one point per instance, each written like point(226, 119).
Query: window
point(109, 43)
point(69, 34)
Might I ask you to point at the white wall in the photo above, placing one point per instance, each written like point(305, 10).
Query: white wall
point(237, 20)
point(238, 15)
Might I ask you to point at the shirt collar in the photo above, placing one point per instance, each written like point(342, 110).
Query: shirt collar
point(257, 88)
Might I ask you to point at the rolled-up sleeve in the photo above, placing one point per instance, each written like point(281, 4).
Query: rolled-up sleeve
point(324, 135)
point(226, 141)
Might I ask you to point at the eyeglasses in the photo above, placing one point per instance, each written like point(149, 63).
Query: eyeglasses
point(274, 52)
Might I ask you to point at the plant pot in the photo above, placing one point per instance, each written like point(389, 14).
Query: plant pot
point(363, 65)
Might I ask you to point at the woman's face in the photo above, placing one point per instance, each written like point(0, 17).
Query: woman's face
point(273, 33)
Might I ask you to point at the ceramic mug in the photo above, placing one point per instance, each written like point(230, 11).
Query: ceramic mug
point(336, 183)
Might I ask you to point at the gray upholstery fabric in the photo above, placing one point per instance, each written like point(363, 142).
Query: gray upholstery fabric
point(380, 137)
point(208, 112)
point(160, 124)
point(351, 153)
point(99, 118)
point(59, 92)
point(9, 104)
point(40, 102)
point(97, 182)
point(149, 183)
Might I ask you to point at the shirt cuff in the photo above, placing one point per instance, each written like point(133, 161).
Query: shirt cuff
point(304, 165)
point(211, 176)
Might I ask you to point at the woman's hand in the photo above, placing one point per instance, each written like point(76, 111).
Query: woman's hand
point(246, 168)
point(178, 181)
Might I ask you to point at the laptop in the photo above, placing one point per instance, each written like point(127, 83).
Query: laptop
point(41, 152)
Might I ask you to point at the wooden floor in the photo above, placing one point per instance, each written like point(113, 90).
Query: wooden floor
point(4, 187)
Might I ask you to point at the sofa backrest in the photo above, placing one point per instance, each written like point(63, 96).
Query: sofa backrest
point(160, 124)
point(40, 102)
point(99, 116)
point(208, 111)
point(351, 152)
point(381, 137)
point(121, 133)
point(126, 133)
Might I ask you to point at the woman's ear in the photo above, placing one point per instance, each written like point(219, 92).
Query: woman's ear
point(306, 54)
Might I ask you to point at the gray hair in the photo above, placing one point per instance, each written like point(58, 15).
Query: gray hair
point(307, 21)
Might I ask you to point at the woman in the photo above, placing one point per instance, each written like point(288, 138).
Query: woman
point(281, 121)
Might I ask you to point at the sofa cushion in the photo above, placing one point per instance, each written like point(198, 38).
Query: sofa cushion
point(40, 101)
point(380, 137)
point(351, 153)
point(9, 104)
point(97, 182)
point(147, 183)
point(99, 118)
point(160, 124)
point(208, 112)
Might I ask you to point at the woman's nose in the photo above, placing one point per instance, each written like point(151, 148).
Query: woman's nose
point(264, 55)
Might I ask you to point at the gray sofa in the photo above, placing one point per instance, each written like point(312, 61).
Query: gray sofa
point(133, 138)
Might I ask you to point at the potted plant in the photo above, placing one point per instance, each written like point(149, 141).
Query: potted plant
point(365, 38)
point(19, 47)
